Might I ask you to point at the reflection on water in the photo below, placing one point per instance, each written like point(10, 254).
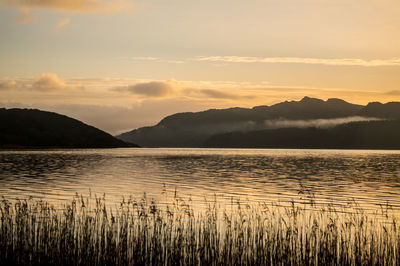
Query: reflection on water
point(370, 177)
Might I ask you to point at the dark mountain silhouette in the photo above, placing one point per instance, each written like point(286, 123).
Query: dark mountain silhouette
point(389, 110)
point(355, 135)
point(310, 108)
point(193, 129)
point(31, 128)
point(307, 108)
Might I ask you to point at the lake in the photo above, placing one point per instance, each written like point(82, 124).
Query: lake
point(371, 178)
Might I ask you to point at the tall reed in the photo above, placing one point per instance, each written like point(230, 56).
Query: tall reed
point(142, 232)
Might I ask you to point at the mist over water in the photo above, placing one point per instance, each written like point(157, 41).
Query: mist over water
point(250, 125)
point(370, 177)
point(318, 123)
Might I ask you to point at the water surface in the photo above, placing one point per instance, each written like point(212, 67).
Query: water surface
point(371, 178)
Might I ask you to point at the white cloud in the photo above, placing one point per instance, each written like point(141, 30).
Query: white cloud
point(301, 60)
point(154, 59)
point(145, 58)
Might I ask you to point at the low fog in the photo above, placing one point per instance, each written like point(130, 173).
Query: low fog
point(278, 123)
point(318, 123)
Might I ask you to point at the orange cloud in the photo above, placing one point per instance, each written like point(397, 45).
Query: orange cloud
point(7, 85)
point(153, 89)
point(25, 17)
point(62, 23)
point(65, 6)
point(77, 6)
point(393, 92)
point(218, 94)
point(48, 82)
point(173, 88)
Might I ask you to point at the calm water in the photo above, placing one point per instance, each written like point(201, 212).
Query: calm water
point(370, 177)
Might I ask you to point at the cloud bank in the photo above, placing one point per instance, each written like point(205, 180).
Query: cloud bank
point(173, 88)
point(43, 83)
point(301, 60)
point(153, 89)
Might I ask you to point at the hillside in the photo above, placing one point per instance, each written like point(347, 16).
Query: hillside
point(356, 135)
point(194, 129)
point(31, 128)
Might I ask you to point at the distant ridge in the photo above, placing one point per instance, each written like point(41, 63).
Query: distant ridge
point(355, 135)
point(32, 128)
point(194, 129)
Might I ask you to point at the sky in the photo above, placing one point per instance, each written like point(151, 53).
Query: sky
point(123, 64)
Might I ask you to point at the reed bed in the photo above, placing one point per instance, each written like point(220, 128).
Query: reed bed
point(141, 232)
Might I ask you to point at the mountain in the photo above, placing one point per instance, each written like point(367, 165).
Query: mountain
point(31, 128)
point(310, 108)
point(382, 134)
point(389, 110)
point(194, 129)
point(307, 108)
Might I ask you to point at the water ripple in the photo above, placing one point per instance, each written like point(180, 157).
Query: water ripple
point(370, 177)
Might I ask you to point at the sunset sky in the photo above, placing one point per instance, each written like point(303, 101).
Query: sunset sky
point(123, 64)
